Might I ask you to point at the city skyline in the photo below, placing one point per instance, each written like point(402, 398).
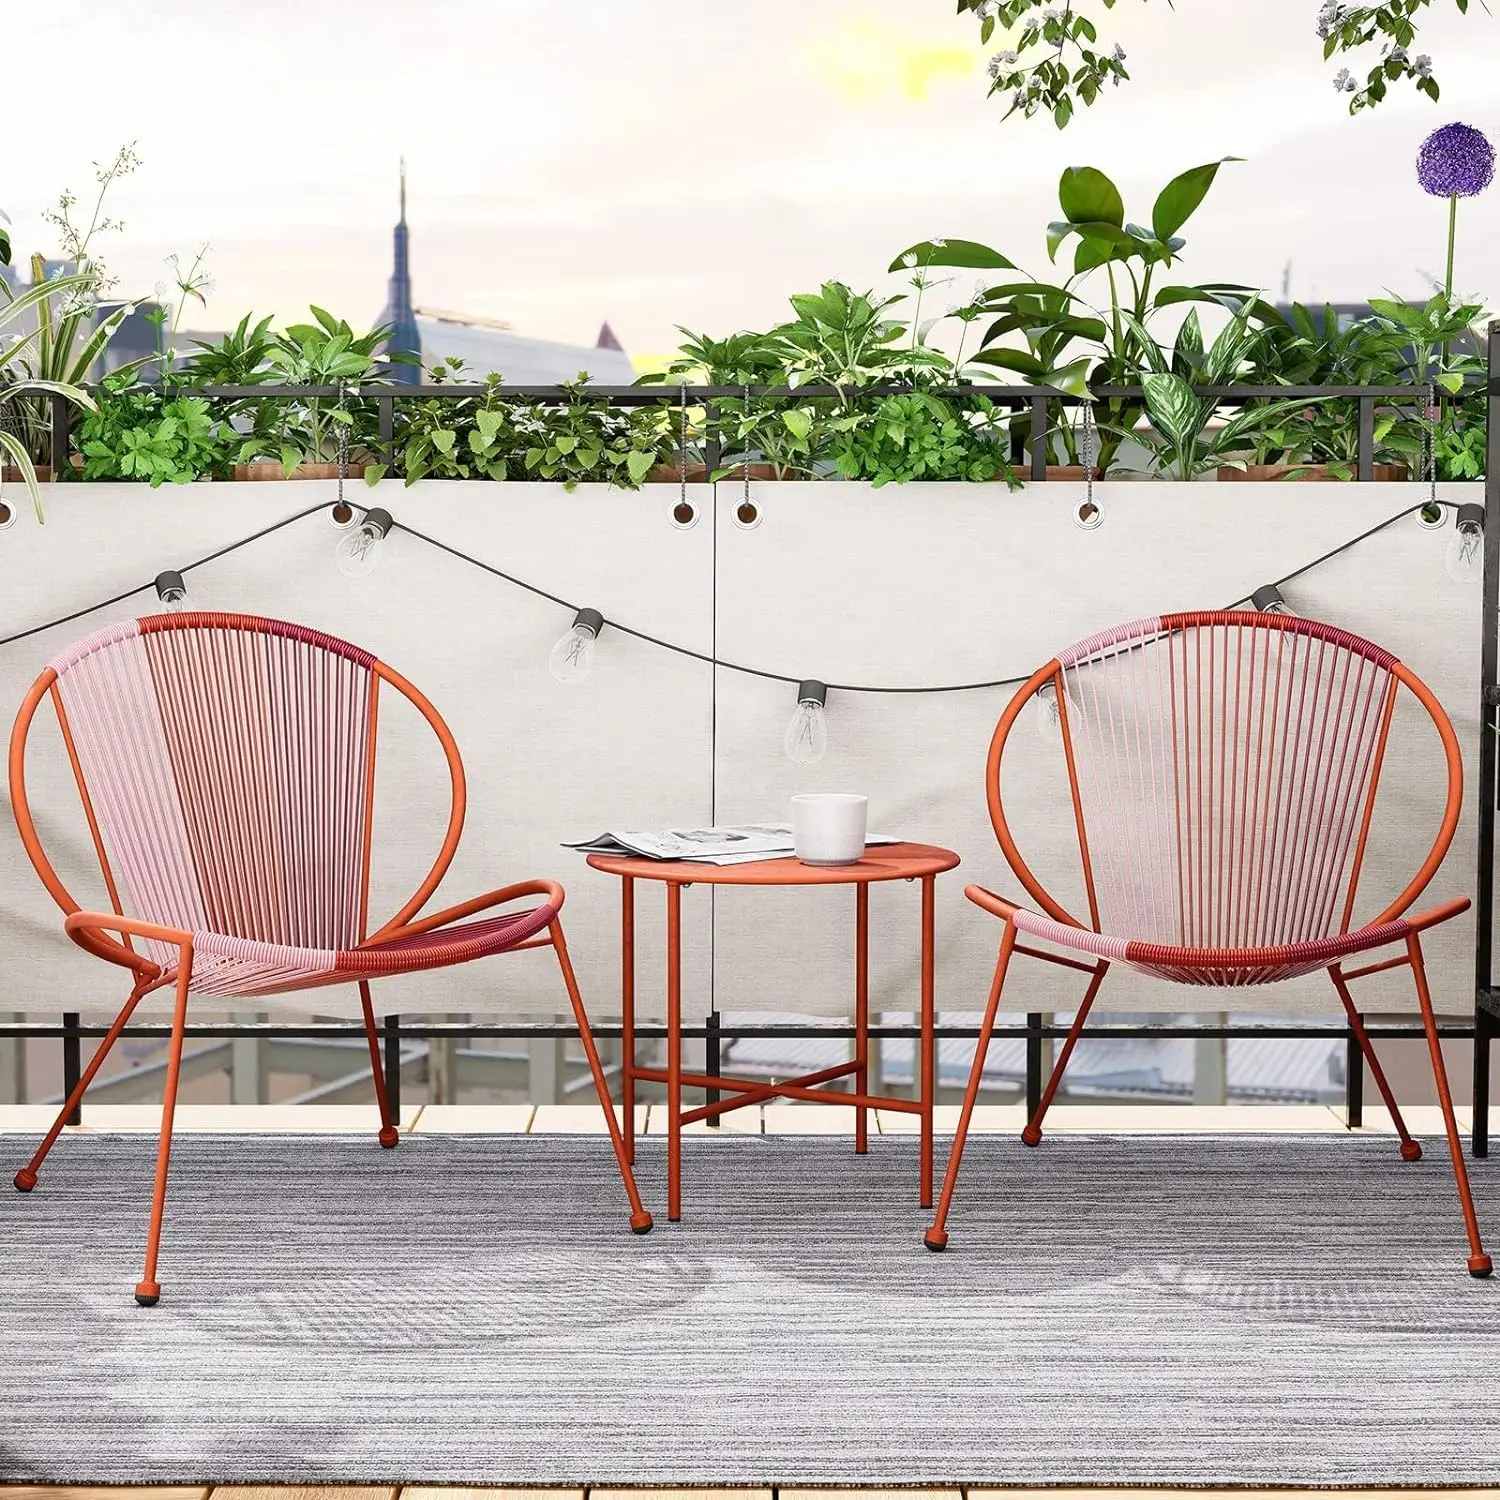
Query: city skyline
point(567, 170)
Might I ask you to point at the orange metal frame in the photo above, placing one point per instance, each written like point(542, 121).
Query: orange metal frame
point(894, 862)
point(1479, 1262)
point(90, 930)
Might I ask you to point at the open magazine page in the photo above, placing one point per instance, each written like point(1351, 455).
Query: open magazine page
point(717, 846)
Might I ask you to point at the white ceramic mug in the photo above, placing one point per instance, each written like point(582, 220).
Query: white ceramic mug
point(828, 828)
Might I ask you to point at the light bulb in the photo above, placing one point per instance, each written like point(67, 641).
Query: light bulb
point(359, 549)
point(172, 591)
point(1047, 715)
point(806, 739)
point(572, 658)
point(1464, 559)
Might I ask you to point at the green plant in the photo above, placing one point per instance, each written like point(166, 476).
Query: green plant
point(463, 437)
point(586, 439)
point(919, 436)
point(306, 430)
point(137, 432)
point(19, 388)
point(1181, 436)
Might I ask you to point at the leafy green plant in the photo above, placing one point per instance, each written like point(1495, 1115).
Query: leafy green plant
point(464, 437)
point(919, 436)
point(139, 433)
point(306, 430)
point(586, 439)
point(1182, 436)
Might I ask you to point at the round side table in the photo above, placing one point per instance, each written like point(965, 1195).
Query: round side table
point(922, 862)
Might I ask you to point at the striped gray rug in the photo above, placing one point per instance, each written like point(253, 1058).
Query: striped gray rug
point(1112, 1311)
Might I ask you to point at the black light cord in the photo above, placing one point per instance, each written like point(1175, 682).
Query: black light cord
point(641, 635)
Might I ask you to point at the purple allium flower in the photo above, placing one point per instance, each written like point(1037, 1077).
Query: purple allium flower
point(1456, 161)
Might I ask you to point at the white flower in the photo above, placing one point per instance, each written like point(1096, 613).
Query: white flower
point(1019, 100)
point(938, 244)
point(983, 9)
point(1052, 13)
point(981, 289)
point(909, 259)
point(1398, 54)
point(161, 291)
point(1343, 81)
point(1119, 53)
point(1423, 65)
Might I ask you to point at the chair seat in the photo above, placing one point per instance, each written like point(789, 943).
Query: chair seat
point(231, 967)
point(1225, 967)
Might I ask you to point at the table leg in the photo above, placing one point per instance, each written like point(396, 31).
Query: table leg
point(674, 1050)
point(928, 1058)
point(861, 1012)
point(627, 1011)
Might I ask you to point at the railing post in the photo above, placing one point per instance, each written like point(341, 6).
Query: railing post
point(1039, 406)
point(1365, 452)
point(387, 408)
point(72, 1062)
point(59, 435)
point(1489, 726)
point(1033, 1062)
point(1354, 1083)
point(393, 1065)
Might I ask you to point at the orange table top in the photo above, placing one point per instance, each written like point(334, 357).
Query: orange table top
point(880, 862)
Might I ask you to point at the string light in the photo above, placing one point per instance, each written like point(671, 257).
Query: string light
point(171, 589)
point(572, 658)
point(806, 738)
point(359, 550)
point(641, 635)
point(1464, 559)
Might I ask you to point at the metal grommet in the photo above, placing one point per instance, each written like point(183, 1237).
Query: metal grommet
point(342, 515)
point(746, 514)
point(684, 515)
point(1432, 516)
point(1089, 516)
point(7, 514)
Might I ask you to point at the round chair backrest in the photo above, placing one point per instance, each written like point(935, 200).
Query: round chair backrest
point(226, 765)
point(1223, 767)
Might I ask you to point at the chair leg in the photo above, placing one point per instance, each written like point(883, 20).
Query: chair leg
point(1411, 1150)
point(640, 1220)
point(936, 1237)
point(148, 1289)
point(25, 1179)
point(1479, 1262)
point(1032, 1134)
point(388, 1133)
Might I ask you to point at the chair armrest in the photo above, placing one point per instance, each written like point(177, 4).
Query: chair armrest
point(997, 906)
point(1448, 910)
point(87, 929)
point(548, 888)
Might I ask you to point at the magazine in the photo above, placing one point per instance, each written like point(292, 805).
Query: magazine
point(706, 846)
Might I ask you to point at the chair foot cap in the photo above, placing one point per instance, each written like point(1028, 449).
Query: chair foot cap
point(1480, 1266)
point(936, 1239)
point(1031, 1136)
point(1411, 1151)
point(389, 1136)
point(148, 1293)
point(641, 1223)
point(25, 1180)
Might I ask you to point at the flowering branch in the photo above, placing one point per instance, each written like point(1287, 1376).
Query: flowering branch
point(1054, 60)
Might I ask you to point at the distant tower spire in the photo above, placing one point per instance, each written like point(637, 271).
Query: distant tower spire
point(607, 339)
point(399, 314)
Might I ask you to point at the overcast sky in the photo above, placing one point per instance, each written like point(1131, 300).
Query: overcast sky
point(656, 162)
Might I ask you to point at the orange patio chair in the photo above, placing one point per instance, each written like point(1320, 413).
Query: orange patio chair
point(227, 770)
point(1223, 768)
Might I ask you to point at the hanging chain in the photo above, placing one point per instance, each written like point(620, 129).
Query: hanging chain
point(1429, 443)
point(745, 456)
point(1087, 448)
point(343, 447)
point(682, 446)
